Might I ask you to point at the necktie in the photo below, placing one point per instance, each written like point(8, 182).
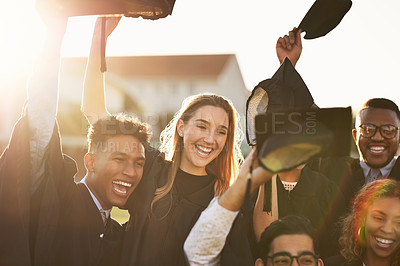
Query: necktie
point(374, 174)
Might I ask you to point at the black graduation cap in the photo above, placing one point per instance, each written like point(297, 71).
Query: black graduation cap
point(324, 16)
point(147, 9)
point(285, 90)
point(289, 138)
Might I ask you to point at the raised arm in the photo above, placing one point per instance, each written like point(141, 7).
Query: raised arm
point(42, 98)
point(289, 46)
point(93, 99)
point(233, 198)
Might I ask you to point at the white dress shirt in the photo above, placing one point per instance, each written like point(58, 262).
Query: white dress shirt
point(385, 171)
point(107, 212)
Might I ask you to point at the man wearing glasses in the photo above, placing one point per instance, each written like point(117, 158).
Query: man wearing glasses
point(377, 138)
point(376, 135)
point(286, 241)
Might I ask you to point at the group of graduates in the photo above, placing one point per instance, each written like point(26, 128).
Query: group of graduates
point(183, 208)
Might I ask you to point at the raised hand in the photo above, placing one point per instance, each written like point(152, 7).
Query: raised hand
point(289, 46)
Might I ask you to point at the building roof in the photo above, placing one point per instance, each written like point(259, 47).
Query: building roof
point(148, 66)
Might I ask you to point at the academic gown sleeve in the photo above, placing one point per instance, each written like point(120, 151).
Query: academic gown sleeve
point(47, 202)
point(14, 198)
point(28, 226)
point(139, 204)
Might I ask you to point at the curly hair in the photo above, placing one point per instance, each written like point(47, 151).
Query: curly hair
point(121, 124)
point(352, 239)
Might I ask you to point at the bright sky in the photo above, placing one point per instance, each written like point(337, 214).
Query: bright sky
point(356, 61)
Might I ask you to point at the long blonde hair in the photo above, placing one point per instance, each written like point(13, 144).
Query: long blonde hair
point(225, 166)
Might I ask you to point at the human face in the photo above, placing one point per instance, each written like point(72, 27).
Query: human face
point(382, 228)
point(294, 245)
point(204, 136)
point(115, 170)
point(376, 151)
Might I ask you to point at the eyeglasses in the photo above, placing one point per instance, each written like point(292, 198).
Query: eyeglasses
point(387, 131)
point(285, 259)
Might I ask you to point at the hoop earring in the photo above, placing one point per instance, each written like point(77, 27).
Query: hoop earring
point(361, 234)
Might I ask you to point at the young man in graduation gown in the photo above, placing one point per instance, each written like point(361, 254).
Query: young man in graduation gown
point(376, 135)
point(47, 218)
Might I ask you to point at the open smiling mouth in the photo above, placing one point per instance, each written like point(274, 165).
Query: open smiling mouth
point(121, 186)
point(377, 149)
point(384, 243)
point(203, 151)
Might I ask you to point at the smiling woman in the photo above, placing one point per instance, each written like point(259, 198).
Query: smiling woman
point(371, 232)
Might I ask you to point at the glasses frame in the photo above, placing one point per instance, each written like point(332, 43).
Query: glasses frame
point(315, 256)
point(376, 129)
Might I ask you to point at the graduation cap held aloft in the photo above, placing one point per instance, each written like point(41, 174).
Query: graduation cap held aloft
point(287, 139)
point(287, 127)
point(285, 90)
point(323, 16)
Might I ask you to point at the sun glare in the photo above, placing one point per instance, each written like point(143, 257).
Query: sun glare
point(21, 40)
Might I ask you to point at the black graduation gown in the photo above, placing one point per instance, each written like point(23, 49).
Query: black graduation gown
point(318, 199)
point(339, 260)
point(15, 200)
point(241, 245)
point(170, 222)
point(60, 223)
point(347, 173)
point(149, 241)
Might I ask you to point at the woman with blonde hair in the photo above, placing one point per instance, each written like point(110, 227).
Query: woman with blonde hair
point(197, 160)
point(371, 232)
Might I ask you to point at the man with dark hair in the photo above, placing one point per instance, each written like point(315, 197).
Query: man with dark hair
point(376, 136)
point(115, 159)
point(47, 218)
point(286, 240)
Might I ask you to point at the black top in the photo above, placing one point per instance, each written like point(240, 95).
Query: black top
point(172, 218)
point(60, 223)
point(187, 184)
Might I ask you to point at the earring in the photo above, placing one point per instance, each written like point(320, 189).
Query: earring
point(361, 234)
point(181, 134)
